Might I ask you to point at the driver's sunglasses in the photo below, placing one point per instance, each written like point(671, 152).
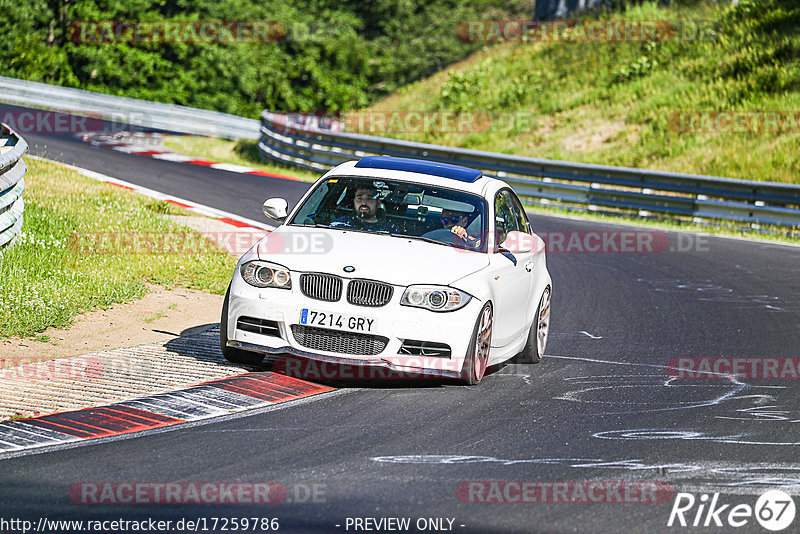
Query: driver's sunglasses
point(453, 220)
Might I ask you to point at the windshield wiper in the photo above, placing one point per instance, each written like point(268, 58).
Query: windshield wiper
point(348, 229)
point(421, 238)
point(314, 225)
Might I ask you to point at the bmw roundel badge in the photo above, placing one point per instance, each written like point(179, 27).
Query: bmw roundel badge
point(349, 268)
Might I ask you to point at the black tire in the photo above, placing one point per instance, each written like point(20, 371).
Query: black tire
point(534, 348)
point(477, 359)
point(231, 354)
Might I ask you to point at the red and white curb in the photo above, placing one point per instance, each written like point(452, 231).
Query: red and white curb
point(113, 143)
point(200, 209)
point(149, 386)
point(212, 399)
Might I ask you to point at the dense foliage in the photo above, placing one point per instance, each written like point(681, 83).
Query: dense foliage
point(335, 55)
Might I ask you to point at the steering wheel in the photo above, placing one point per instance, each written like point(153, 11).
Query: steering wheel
point(446, 236)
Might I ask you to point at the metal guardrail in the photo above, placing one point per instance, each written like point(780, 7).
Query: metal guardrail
point(540, 181)
point(552, 182)
point(12, 184)
point(142, 113)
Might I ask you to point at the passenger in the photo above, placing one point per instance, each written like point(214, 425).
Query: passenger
point(456, 222)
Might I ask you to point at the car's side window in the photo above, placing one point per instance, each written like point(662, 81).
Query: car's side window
point(519, 213)
point(505, 219)
point(309, 214)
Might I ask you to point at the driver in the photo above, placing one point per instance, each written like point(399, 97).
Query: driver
point(456, 222)
point(365, 204)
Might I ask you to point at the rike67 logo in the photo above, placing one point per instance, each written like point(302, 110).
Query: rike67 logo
point(774, 510)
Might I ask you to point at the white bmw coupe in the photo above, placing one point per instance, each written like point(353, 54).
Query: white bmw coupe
point(411, 266)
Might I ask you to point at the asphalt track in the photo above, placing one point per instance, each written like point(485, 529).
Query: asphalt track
point(602, 405)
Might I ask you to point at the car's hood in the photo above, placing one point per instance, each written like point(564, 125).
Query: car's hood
point(394, 260)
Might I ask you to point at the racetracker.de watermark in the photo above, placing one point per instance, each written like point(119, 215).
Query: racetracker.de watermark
point(56, 122)
point(383, 122)
point(584, 31)
point(564, 492)
point(209, 492)
point(734, 122)
point(720, 367)
point(176, 31)
point(180, 243)
point(607, 242)
point(73, 368)
point(419, 368)
point(322, 242)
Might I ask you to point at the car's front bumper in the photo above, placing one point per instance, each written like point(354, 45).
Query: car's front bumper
point(398, 324)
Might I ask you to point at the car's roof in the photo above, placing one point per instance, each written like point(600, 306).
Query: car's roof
point(435, 168)
point(415, 170)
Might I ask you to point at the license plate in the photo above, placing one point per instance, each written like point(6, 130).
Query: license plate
point(337, 320)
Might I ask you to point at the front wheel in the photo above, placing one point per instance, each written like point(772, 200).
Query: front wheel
point(231, 354)
point(477, 359)
point(537, 335)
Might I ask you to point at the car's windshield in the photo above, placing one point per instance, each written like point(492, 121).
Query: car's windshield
point(397, 208)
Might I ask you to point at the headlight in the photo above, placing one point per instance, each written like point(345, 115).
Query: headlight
point(263, 274)
point(435, 298)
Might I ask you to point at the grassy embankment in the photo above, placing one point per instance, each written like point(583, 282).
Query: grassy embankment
point(78, 252)
point(612, 102)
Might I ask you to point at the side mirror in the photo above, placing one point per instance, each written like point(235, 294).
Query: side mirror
point(520, 242)
point(275, 208)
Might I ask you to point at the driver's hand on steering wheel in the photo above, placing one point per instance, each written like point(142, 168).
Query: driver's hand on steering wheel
point(461, 232)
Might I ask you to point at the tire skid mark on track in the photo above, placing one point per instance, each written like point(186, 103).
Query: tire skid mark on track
point(219, 397)
point(747, 478)
point(709, 291)
point(742, 399)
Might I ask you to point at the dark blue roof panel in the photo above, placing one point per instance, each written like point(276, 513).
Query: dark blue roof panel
point(445, 170)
